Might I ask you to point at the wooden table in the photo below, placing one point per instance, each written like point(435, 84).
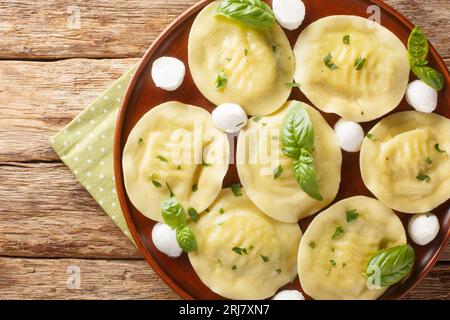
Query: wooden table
point(51, 68)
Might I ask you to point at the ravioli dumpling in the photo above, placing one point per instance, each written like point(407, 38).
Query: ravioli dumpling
point(260, 157)
point(335, 250)
point(243, 253)
point(174, 150)
point(406, 164)
point(231, 62)
point(351, 66)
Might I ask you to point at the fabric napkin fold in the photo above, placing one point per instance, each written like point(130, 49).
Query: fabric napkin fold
point(85, 145)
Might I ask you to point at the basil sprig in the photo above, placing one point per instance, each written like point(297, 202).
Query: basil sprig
point(175, 217)
point(393, 264)
point(417, 56)
point(297, 138)
point(254, 13)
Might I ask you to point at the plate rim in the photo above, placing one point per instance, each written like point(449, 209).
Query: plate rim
point(117, 161)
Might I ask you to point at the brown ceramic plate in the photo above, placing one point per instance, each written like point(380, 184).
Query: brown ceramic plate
point(142, 95)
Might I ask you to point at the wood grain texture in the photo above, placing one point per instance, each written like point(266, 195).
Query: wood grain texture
point(46, 29)
point(124, 279)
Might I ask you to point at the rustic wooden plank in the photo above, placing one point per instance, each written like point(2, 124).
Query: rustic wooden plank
point(127, 279)
point(100, 279)
point(39, 98)
point(45, 212)
point(48, 29)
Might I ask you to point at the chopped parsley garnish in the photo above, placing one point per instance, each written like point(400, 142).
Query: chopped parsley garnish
point(171, 194)
point(423, 177)
point(140, 141)
point(234, 267)
point(328, 60)
point(370, 136)
point(293, 84)
point(179, 167)
point(312, 244)
point(257, 118)
point(161, 158)
point(221, 211)
point(343, 265)
point(156, 183)
point(236, 189)
point(193, 214)
point(278, 172)
point(239, 251)
point(246, 52)
point(194, 188)
point(278, 271)
point(360, 62)
point(333, 262)
point(221, 80)
point(264, 258)
point(346, 39)
point(438, 149)
point(337, 233)
point(351, 215)
point(428, 160)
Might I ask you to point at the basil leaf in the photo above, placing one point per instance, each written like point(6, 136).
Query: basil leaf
point(305, 174)
point(430, 76)
point(417, 47)
point(186, 239)
point(297, 132)
point(393, 264)
point(254, 13)
point(173, 213)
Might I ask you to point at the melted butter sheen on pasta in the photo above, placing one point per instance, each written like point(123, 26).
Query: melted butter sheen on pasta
point(332, 269)
point(259, 154)
point(257, 63)
point(268, 249)
point(402, 166)
point(174, 145)
point(356, 95)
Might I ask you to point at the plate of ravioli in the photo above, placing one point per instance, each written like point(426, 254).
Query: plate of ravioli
point(287, 150)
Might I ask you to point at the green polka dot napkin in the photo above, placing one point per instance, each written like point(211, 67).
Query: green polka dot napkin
point(85, 145)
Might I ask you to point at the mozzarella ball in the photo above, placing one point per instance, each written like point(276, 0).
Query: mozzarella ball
point(289, 13)
point(423, 228)
point(229, 117)
point(165, 240)
point(350, 135)
point(289, 295)
point(421, 96)
point(168, 73)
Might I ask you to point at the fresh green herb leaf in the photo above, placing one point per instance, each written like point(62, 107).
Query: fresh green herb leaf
point(236, 189)
point(430, 76)
point(171, 194)
point(264, 258)
point(333, 262)
point(221, 80)
point(359, 63)
point(194, 188)
point(428, 160)
point(346, 39)
point(239, 251)
point(370, 136)
point(438, 148)
point(156, 183)
point(246, 52)
point(257, 118)
point(161, 158)
point(278, 271)
point(328, 61)
point(221, 211)
point(305, 174)
point(391, 264)
point(337, 233)
point(278, 172)
point(193, 214)
point(234, 267)
point(173, 213)
point(423, 177)
point(186, 239)
point(312, 244)
point(417, 47)
point(141, 141)
point(254, 13)
point(293, 84)
point(351, 215)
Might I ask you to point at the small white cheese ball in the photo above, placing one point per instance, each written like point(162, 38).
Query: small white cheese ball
point(289, 295)
point(165, 240)
point(229, 117)
point(421, 96)
point(168, 73)
point(423, 228)
point(289, 13)
point(349, 134)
